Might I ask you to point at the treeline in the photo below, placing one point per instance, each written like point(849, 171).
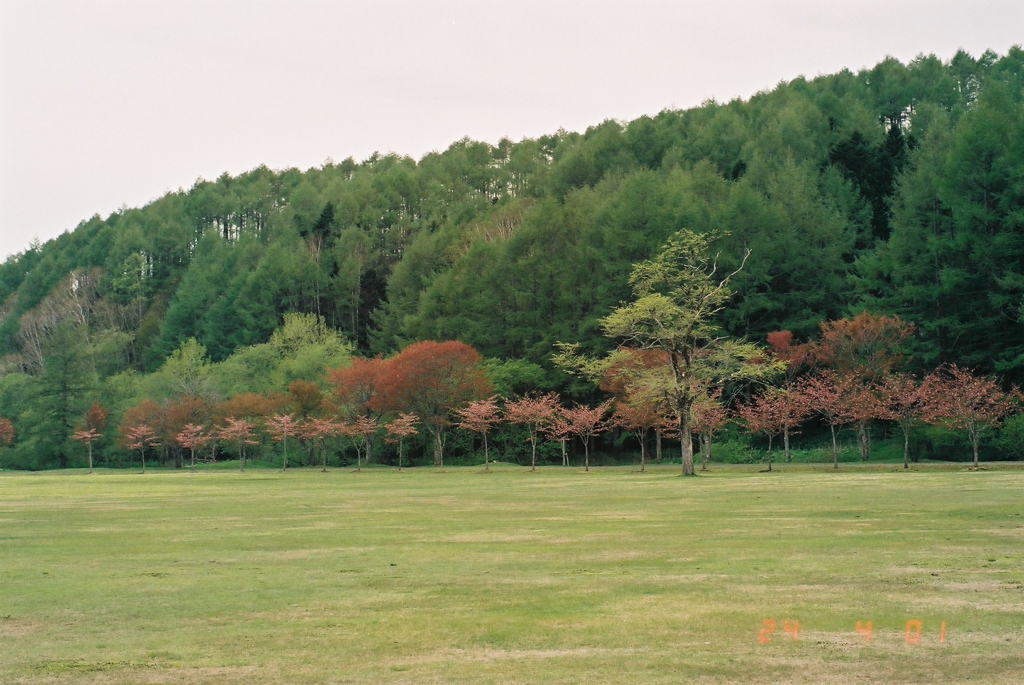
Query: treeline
point(894, 189)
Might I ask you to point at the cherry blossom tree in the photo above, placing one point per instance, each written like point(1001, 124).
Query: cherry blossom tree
point(318, 430)
point(139, 437)
point(826, 393)
point(534, 412)
point(956, 398)
point(400, 428)
point(558, 429)
point(586, 422)
point(192, 437)
point(479, 416)
point(901, 401)
point(240, 430)
point(639, 417)
point(765, 413)
point(280, 426)
point(709, 415)
point(87, 435)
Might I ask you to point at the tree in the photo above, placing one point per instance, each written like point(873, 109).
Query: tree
point(431, 380)
point(239, 430)
point(318, 429)
point(138, 438)
point(358, 391)
point(559, 429)
point(280, 427)
point(826, 396)
point(586, 422)
point(676, 296)
point(6, 432)
point(147, 415)
point(765, 413)
point(866, 346)
point(709, 415)
point(862, 406)
point(901, 402)
point(639, 417)
point(400, 428)
point(86, 435)
point(534, 412)
point(479, 416)
point(956, 398)
point(192, 437)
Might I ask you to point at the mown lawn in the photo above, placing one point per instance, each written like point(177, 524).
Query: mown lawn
point(510, 577)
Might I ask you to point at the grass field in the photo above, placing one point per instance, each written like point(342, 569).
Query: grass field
point(510, 577)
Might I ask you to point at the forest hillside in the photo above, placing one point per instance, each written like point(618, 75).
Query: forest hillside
point(897, 189)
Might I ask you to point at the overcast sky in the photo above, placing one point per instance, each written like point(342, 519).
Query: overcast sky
point(105, 103)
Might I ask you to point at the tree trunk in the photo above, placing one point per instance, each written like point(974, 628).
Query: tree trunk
point(533, 453)
point(974, 444)
point(835, 449)
point(487, 463)
point(686, 443)
point(284, 456)
point(906, 447)
point(705, 450)
point(785, 440)
point(643, 450)
point(862, 439)
point(90, 456)
point(586, 456)
point(657, 444)
point(565, 454)
point(769, 454)
point(438, 449)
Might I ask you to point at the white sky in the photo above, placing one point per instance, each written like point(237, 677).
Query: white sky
point(111, 102)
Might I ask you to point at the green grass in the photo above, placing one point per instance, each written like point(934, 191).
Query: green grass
point(511, 577)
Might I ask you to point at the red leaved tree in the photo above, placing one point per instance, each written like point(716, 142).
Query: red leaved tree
point(901, 402)
point(431, 380)
point(6, 432)
point(359, 391)
point(826, 394)
point(863, 405)
point(400, 428)
point(280, 426)
point(956, 398)
point(765, 413)
point(534, 412)
point(480, 416)
point(585, 423)
point(709, 415)
point(558, 429)
point(866, 346)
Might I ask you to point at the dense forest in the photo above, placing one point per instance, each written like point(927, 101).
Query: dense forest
point(898, 189)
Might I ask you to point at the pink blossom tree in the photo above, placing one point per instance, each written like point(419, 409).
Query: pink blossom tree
point(280, 426)
point(139, 437)
point(534, 412)
point(585, 423)
point(192, 437)
point(399, 429)
point(87, 435)
point(479, 416)
point(240, 430)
